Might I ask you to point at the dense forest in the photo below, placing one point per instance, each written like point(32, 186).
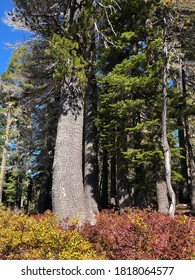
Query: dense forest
point(97, 107)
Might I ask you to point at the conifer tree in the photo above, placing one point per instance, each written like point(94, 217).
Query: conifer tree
point(69, 197)
point(13, 171)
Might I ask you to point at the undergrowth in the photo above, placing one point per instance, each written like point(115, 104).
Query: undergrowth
point(137, 235)
point(40, 237)
point(142, 235)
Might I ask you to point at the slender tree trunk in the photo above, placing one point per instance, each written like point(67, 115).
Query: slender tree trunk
point(164, 140)
point(123, 186)
point(5, 147)
point(104, 190)
point(113, 177)
point(69, 198)
point(192, 175)
point(191, 165)
point(184, 191)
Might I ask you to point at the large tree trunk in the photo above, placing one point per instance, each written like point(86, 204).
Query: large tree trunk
point(73, 196)
point(69, 199)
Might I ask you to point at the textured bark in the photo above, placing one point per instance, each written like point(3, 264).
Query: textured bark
point(162, 198)
point(69, 197)
point(69, 200)
point(5, 146)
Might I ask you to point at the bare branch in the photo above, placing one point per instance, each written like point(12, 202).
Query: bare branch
point(15, 22)
point(105, 38)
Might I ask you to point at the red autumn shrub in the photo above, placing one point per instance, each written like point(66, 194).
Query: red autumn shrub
point(169, 238)
point(141, 235)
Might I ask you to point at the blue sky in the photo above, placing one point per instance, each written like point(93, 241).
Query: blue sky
point(7, 35)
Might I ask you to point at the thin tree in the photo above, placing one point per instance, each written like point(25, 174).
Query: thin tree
point(5, 147)
point(164, 139)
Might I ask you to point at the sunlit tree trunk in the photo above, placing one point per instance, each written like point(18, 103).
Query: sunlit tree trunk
point(164, 139)
point(69, 199)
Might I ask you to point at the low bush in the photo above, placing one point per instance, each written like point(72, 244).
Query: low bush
point(142, 235)
point(135, 235)
point(40, 237)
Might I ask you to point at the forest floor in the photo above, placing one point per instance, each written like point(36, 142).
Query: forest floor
point(136, 234)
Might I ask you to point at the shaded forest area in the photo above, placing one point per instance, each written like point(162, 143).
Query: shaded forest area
point(97, 107)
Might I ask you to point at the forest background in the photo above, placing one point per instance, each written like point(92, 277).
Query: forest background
point(97, 108)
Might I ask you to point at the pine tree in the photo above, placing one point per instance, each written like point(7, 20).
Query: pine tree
point(69, 197)
point(13, 171)
point(122, 104)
